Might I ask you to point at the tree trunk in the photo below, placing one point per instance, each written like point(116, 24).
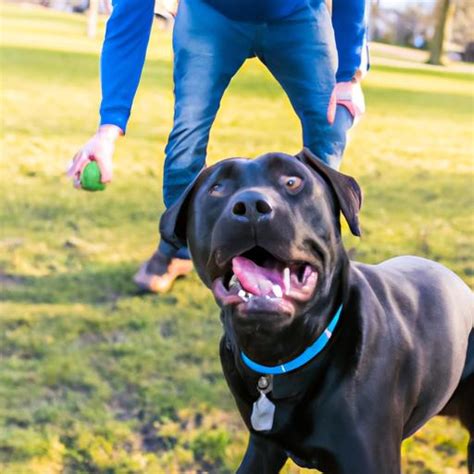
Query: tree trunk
point(445, 13)
point(92, 17)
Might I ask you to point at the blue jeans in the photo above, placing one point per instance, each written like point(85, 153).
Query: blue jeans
point(209, 48)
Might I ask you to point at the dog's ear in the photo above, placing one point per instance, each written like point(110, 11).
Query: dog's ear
point(348, 192)
point(173, 221)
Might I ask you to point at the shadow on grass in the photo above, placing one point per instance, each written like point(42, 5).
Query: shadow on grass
point(77, 68)
point(438, 73)
point(95, 285)
point(419, 102)
point(71, 67)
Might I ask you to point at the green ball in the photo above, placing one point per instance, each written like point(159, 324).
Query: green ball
point(90, 178)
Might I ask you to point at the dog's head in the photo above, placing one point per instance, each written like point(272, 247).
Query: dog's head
point(265, 236)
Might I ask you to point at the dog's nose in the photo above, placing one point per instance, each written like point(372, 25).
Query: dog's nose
point(251, 206)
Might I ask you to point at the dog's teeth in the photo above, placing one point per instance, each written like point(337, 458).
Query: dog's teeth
point(233, 281)
point(286, 280)
point(245, 295)
point(277, 291)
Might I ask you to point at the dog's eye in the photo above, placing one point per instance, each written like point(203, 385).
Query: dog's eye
point(220, 188)
point(216, 188)
point(292, 183)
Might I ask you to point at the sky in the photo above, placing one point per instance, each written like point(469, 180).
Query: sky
point(404, 3)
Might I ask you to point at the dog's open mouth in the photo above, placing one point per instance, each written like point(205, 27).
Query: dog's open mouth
point(256, 281)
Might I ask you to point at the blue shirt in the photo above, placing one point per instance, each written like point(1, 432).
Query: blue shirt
point(128, 32)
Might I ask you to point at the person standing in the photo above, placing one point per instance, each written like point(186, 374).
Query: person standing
point(318, 60)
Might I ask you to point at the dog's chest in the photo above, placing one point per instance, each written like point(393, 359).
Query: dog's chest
point(296, 430)
point(294, 427)
point(306, 431)
point(304, 421)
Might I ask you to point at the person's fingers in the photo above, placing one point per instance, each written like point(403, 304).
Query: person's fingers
point(84, 160)
point(72, 164)
point(69, 167)
point(100, 149)
point(80, 160)
point(105, 166)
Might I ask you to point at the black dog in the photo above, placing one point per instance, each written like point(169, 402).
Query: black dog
point(332, 363)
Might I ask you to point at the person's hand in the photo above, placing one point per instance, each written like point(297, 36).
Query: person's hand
point(99, 148)
point(345, 108)
point(350, 95)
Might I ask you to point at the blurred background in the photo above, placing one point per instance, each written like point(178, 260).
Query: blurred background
point(97, 378)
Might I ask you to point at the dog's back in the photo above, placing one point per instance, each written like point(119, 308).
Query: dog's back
point(429, 314)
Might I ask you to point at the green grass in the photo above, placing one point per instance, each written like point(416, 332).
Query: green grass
point(96, 378)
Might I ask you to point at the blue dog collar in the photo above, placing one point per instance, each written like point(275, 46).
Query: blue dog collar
point(312, 351)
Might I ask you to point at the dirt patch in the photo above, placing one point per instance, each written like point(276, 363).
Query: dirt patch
point(11, 281)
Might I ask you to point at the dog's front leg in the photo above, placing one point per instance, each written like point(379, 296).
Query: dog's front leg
point(263, 456)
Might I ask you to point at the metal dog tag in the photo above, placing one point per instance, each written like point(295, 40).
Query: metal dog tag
point(262, 414)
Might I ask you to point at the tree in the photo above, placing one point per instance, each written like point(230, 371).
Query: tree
point(92, 18)
point(445, 13)
point(463, 31)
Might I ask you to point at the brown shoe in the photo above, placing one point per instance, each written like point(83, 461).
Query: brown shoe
point(162, 283)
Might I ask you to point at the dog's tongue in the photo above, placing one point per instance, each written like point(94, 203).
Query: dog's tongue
point(255, 279)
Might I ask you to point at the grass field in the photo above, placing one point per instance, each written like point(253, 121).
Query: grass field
point(95, 378)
